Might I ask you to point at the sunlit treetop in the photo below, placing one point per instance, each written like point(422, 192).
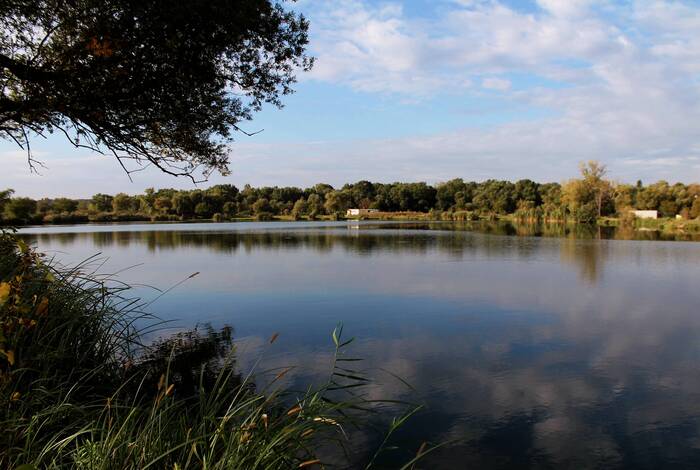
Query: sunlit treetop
point(160, 82)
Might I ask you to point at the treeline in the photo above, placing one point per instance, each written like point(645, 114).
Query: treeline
point(583, 200)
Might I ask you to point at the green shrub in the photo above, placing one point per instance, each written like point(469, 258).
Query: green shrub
point(263, 216)
point(65, 218)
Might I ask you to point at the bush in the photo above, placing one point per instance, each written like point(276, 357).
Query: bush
point(264, 216)
point(464, 216)
point(164, 218)
point(65, 218)
point(587, 213)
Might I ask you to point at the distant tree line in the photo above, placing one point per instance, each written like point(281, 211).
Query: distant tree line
point(582, 199)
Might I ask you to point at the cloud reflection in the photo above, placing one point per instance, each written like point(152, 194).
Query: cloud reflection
point(530, 351)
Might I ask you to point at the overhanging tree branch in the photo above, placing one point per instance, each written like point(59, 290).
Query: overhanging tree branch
point(147, 81)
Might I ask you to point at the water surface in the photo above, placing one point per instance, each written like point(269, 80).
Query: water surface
point(577, 351)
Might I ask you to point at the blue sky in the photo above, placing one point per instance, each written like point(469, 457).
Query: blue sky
point(431, 90)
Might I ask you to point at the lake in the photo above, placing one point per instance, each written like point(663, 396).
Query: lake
point(577, 350)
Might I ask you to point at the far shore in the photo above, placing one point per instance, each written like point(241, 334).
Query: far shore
point(666, 225)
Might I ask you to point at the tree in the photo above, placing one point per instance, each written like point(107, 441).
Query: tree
point(336, 201)
point(314, 205)
point(528, 192)
point(5, 196)
point(101, 203)
point(19, 209)
point(262, 206)
point(624, 198)
point(695, 209)
point(121, 203)
point(159, 82)
point(203, 210)
point(229, 209)
point(300, 208)
point(494, 196)
point(182, 204)
point(44, 205)
point(361, 193)
point(668, 208)
point(577, 199)
point(593, 173)
point(162, 204)
point(63, 204)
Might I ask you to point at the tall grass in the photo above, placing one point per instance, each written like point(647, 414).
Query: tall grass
point(79, 390)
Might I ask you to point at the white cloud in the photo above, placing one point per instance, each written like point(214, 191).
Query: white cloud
point(500, 84)
point(383, 49)
point(627, 75)
point(567, 8)
point(620, 82)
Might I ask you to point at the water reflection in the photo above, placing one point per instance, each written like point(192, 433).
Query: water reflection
point(222, 236)
point(532, 350)
point(579, 246)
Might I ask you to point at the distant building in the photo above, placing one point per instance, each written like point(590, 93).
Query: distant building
point(356, 212)
point(646, 214)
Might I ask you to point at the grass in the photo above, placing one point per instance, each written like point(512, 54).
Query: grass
point(79, 390)
point(670, 225)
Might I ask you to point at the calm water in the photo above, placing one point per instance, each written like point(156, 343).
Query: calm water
point(530, 351)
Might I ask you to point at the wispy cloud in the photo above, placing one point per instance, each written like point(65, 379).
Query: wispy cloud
point(602, 79)
point(627, 74)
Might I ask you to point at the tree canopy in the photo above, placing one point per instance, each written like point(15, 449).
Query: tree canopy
point(577, 200)
point(160, 82)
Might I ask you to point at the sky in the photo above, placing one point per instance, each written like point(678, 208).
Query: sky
point(427, 90)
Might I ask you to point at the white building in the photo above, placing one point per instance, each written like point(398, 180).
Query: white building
point(357, 212)
point(646, 214)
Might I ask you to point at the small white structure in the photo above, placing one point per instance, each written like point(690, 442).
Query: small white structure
point(646, 214)
point(358, 212)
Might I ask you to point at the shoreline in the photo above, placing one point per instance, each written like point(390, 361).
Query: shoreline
point(662, 225)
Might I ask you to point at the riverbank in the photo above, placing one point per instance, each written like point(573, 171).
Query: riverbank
point(666, 225)
point(663, 225)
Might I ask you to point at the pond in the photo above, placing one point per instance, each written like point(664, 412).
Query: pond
point(530, 348)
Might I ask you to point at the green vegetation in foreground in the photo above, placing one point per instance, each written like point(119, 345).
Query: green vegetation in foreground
point(582, 200)
point(78, 390)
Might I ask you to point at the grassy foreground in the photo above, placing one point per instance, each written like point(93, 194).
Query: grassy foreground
point(78, 390)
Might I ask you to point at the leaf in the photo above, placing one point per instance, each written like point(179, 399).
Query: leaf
point(43, 306)
point(9, 355)
point(23, 248)
point(4, 292)
point(26, 466)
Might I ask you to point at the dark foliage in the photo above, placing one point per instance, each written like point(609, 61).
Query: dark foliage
point(160, 82)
